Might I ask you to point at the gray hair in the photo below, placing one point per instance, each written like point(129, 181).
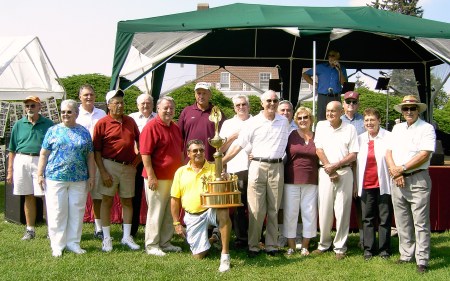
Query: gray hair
point(237, 97)
point(266, 94)
point(286, 102)
point(143, 97)
point(167, 98)
point(71, 104)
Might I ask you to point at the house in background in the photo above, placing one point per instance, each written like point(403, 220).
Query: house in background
point(244, 80)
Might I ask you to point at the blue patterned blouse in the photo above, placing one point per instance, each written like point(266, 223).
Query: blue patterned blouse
point(69, 148)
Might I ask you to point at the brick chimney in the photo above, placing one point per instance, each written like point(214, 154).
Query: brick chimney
point(202, 6)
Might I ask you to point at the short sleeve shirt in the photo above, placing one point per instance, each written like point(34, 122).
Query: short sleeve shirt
point(69, 148)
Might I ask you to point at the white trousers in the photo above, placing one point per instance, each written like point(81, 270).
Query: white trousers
point(300, 197)
point(66, 202)
point(335, 197)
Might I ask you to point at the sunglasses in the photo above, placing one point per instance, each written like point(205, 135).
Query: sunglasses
point(412, 108)
point(240, 104)
point(303, 117)
point(272, 101)
point(351, 102)
point(197, 150)
point(30, 105)
point(66, 111)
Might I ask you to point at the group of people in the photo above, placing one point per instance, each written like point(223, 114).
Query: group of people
point(280, 162)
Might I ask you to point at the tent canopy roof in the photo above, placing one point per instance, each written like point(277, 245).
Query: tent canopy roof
point(305, 18)
point(26, 70)
point(269, 35)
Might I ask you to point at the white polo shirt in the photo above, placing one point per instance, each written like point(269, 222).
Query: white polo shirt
point(239, 162)
point(336, 143)
point(141, 120)
point(268, 138)
point(88, 120)
point(405, 142)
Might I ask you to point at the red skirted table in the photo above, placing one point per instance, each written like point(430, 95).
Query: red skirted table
point(439, 214)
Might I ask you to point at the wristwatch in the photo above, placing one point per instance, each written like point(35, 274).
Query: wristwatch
point(404, 168)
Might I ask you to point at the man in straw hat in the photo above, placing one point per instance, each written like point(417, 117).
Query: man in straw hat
point(408, 158)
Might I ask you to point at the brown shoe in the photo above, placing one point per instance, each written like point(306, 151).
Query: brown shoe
point(318, 252)
point(422, 268)
point(340, 256)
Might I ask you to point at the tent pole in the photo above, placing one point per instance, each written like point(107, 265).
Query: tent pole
point(314, 82)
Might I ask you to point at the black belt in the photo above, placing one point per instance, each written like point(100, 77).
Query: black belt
point(268, 160)
point(331, 95)
point(412, 173)
point(120, 162)
point(196, 214)
point(29, 154)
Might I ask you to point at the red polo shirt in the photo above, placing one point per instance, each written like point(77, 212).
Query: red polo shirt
point(114, 139)
point(164, 144)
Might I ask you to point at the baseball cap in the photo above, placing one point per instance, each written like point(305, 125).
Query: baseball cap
point(351, 95)
point(202, 85)
point(33, 99)
point(113, 93)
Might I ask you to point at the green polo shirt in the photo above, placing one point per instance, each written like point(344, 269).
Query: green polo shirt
point(28, 138)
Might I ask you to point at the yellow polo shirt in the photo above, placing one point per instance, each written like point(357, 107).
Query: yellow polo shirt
point(188, 185)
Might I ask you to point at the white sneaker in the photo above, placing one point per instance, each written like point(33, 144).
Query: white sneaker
point(76, 249)
point(155, 251)
point(107, 245)
point(130, 243)
point(171, 248)
point(56, 253)
point(224, 265)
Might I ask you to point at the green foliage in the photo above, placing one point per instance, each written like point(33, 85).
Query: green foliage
point(101, 86)
point(442, 118)
point(406, 7)
point(255, 105)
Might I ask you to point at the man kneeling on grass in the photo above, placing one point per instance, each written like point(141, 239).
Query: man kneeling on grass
point(186, 188)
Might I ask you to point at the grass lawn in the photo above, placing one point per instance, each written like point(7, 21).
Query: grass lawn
point(32, 260)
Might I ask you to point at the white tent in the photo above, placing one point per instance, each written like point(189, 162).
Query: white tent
point(25, 69)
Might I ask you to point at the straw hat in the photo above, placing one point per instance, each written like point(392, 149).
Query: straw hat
point(410, 100)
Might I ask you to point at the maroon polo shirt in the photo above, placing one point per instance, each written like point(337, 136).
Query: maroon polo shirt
point(114, 139)
point(165, 146)
point(194, 124)
point(302, 163)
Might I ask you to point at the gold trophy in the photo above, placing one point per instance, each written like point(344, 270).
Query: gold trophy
point(219, 192)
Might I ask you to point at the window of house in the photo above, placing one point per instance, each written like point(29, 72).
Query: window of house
point(264, 78)
point(225, 80)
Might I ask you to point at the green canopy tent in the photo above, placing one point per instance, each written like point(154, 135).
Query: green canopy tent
point(267, 35)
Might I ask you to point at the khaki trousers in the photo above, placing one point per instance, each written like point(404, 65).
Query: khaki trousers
point(335, 197)
point(159, 225)
point(265, 187)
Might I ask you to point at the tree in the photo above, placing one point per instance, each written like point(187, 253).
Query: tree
point(406, 7)
point(101, 86)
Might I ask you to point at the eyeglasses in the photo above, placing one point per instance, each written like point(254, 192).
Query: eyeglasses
point(30, 105)
point(272, 101)
point(66, 111)
point(351, 102)
point(303, 117)
point(197, 150)
point(412, 108)
point(240, 104)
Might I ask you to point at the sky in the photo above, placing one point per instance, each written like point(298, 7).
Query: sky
point(79, 36)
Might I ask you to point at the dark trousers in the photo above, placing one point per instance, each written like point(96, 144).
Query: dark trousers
point(322, 101)
point(137, 199)
point(376, 208)
point(240, 217)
